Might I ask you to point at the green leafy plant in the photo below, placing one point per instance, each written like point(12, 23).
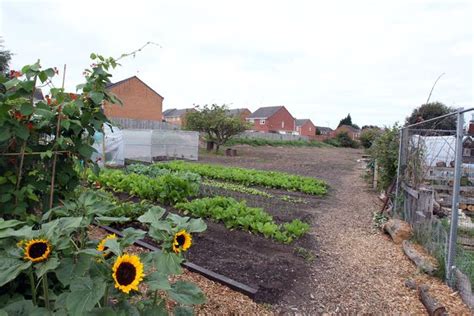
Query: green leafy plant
point(270, 179)
point(168, 188)
point(237, 188)
point(237, 215)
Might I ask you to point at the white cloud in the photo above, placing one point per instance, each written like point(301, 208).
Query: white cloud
point(374, 59)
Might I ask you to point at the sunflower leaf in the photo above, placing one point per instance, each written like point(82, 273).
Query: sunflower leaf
point(183, 311)
point(158, 281)
point(85, 294)
point(196, 225)
point(10, 223)
point(130, 235)
point(168, 263)
point(10, 268)
point(48, 265)
point(153, 215)
point(113, 246)
point(186, 293)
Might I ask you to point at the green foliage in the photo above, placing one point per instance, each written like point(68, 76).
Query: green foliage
point(215, 122)
point(75, 278)
point(270, 179)
point(29, 127)
point(169, 188)
point(333, 142)
point(368, 136)
point(237, 215)
point(429, 111)
point(237, 188)
point(378, 219)
point(344, 140)
point(385, 151)
point(268, 142)
point(5, 57)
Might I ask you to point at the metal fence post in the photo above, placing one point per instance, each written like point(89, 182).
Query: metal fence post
point(397, 188)
point(455, 203)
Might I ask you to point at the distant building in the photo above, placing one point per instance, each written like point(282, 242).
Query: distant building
point(322, 130)
point(140, 101)
point(176, 116)
point(305, 127)
point(244, 113)
point(274, 119)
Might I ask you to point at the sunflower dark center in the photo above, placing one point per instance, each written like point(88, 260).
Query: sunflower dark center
point(37, 250)
point(126, 273)
point(180, 239)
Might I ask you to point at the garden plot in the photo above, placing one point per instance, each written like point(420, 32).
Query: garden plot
point(256, 237)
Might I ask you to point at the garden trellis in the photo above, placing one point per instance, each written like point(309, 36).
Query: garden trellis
point(435, 192)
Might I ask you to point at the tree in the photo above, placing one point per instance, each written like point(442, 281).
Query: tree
point(5, 57)
point(431, 110)
point(216, 123)
point(385, 151)
point(346, 121)
point(368, 136)
point(345, 140)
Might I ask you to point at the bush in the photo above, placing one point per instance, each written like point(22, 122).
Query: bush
point(368, 136)
point(346, 141)
point(385, 151)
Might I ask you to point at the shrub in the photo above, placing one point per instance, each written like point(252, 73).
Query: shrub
point(368, 136)
point(346, 141)
point(385, 151)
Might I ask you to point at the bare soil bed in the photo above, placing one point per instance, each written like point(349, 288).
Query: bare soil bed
point(355, 268)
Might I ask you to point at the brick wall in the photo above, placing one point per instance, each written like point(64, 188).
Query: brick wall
point(140, 102)
point(307, 129)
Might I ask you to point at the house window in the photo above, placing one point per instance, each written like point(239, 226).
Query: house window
point(282, 124)
point(262, 122)
point(310, 129)
point(467, 152)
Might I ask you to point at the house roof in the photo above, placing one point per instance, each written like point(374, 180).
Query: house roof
point(265, 112)
point(351, 128)
point(236, 111)
point(114, 84)
point(176, 112)
point(301, 122)
point(324, 129)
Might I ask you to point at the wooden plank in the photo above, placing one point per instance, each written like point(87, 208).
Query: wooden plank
point(451, 169)
point(445, 187)
point(237, 286)
point(409, 190)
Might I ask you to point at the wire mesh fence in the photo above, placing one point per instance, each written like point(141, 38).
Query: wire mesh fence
point(435, 189)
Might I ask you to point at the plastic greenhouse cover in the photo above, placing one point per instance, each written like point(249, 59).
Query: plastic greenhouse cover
point(112, 149)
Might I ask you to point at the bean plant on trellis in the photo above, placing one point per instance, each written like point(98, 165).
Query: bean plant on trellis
point(43, 145)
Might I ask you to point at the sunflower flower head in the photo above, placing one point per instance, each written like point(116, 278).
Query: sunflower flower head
point(36, 250)
point(181, 241)
point(101, 246)
point(127, 272)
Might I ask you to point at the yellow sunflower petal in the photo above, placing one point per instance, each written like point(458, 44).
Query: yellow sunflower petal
point(127, 272)
point(36, 250)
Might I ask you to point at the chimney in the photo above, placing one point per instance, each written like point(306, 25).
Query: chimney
point(470, 129)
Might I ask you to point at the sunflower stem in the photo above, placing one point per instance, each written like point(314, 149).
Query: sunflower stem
point(106, 296)
point(33, 287)
point(155, 298)
point(45, 292)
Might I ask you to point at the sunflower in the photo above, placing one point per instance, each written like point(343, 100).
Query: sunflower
point(181, 241)
point(36, 250)
point(101, 246)
point(127, 272)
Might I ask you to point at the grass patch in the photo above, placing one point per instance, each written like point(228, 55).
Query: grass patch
point(268, 142)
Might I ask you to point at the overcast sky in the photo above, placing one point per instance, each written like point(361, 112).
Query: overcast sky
point(376, 60)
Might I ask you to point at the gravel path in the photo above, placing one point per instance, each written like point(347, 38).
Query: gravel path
point(357, 269)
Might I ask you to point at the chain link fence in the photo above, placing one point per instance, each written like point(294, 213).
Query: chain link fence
point(435, 191)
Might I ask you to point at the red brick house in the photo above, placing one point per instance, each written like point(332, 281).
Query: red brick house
point(140, 102)
point(354, 133)
point(305, 127)
point(273, 119)
point(244, 113)
point(176, 116)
